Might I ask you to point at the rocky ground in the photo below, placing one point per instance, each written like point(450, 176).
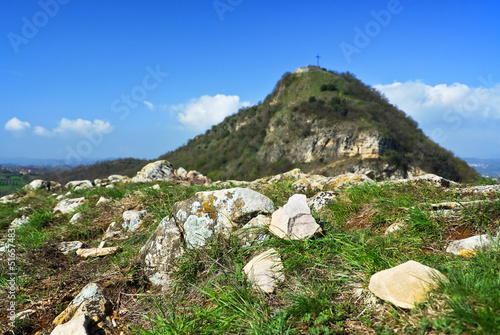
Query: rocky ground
point(169, 252)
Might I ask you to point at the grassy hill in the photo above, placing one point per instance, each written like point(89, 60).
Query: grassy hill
point(303, 108)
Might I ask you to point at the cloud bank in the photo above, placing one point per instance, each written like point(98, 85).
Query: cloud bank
point(65, 127)
point(201, 113)
point(462, 118)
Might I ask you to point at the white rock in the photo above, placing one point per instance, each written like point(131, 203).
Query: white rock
point(68, 205)
point(79, 184)
point(349, 179)
point(161, 252)
point(76, 326)
point(265, 271)
point(472, 243)
point(320, 200)
point(158, 171)
point(251, 233)
point(405, 284)
point(16, 223)
point(67, 247)
point(181, 172)
point(112, 230)
point(294, 220)
point(8, 198)
point(132, 220)
point(90, 302)
point(75, 218)
point(218, 212)
point(102, 200)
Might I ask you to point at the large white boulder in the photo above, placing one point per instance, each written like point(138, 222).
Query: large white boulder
point(218, 212)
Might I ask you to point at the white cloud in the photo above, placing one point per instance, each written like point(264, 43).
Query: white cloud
point(16, 126)
point(64, 127)
point(149, 105)
point(427, 103)
point(41, 131)
point(201, 113)
point(457, 116)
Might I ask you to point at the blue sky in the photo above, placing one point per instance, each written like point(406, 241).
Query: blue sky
point(107, 79)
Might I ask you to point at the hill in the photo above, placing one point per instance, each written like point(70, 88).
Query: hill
point(322, 122)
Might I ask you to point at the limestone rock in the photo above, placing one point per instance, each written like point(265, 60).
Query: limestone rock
point(161, 252)
point(79, 184)
point(306, 184)
point(102, 200)
point(16, 223)
point(80, 325)
point(158, 171)
point(132, 220)
point(68, 205)
point(90, 302)
point(39, 184)
point(265, 271)
point(320, 200)
point(112, 230)
point(405, 284)
point(74, 219)
point(472, 243)
point(251, 233)
point(294, 220)
point(8, 198)
point(219, 212)
point(67, 247)
point(430, 178)
point(348, 178)
point(181, 172)
point(398, 225)
point(96, 252)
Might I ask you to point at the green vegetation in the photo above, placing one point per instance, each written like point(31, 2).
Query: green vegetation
point(10, 182)
point(326, 277)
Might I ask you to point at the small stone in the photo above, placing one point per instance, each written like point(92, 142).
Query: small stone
point(294, 220)
point(96, 252)
point(473, 243)
point(265, 271)
point(67, 247)
point(251, 233)
point(405, 284)
point(102, 200)
point(75, 218)
point(320, 200)
point(68, 205)
point(132, 220)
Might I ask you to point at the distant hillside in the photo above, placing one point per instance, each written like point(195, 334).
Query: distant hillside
point(321, 121)
point(123, 166)
point(486, 167)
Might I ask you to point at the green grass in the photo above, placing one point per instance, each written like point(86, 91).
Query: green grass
point(211, 294)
